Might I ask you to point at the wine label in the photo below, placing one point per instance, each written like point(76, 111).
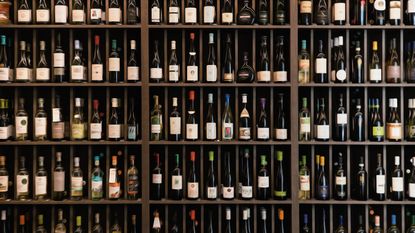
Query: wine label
point(244, 133)
point(375, 75)
point(378, 131)
point(395, 10)
point(177, 182)
point(212, 192)
point(114, 64)
point(321, 66)
point(280, 76)
point(175, 125)
point(211, 73)
point(263, 181)
point(306, 7)
point(132, 184)
point(40, 126)
point(97, 72)
point(341, 75)
point(112, 175)
point(397, 184)
point(4, 184)
point(411, 191)
point(227, 131)
point(394, 131)
point(155, 15)
point(132, 132)
point(339, 11)
point(22, 184)
point(77, 72)
point(56, 115)
point(96, 130)
point(58, 130)
point(192, 131)
point(21, 124)
point(379, 5)
point(114, 15)
point(411, 131)
point(114, 190)
point(380, 184)
point(208, 14)
point(114, 131)
point(96, 14)
point(393, 72)
point(42, 74)
point(263, 133)
point(323, 191)
point(59, 181)
point(42, 15)
point(24, 15)
point(305, 183)
point(96, 184)
point(246, 191)
point(133, 73)
point(280, 193)
point(58, 60)
point(76, 186)
point(173, 73)
point(78, 131)
point(78, 16)
point(157, 178)
point(41, 185)
point(341, 180)
point(190, 15)
point(4, 133)
point(341, 118)
point(192, 73)
point(22, 73)
point(228, 192)
point(227, 17)
point(323, 132)
point(411, 6)
point(156, 73)
point(174, 14)
point(305, 126)
point(61, 14)
point(281, 134)
point(4, 74)
point(192, 190)
point(264, 76)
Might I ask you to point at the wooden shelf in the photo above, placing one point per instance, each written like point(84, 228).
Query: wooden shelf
point(70, 26)
point(104, 84)
point(217, 26)
point(67, 143)
point(70, 202)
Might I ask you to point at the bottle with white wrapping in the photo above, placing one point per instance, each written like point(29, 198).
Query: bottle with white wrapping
point(174, 67)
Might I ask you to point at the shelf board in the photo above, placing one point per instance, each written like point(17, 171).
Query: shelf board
point(70, 26)
point(353, 143)
point(70, 202)
point(220, 201)
point(269, 142)
point(66, 84)
point(217, 26)
point(362, 27)
point(199, 84)
point(355, 202)
point(67, 143)
point(374, 85)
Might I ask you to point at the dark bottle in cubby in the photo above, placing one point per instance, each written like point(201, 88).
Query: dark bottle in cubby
point(395, 12)
point(175, 122)
point(211, 68)
point(192, 69)
point(280, 7)
point(156, 121)
point(358, 124)
point(192, 126)
point(322, 127)
point(59, 61)
point(359, 12)
point(174, 12)
point(411, 180)
point(393, 124)
point(174, 66)
point(357, 66)
point(379, 181)
point(43, 11)
point(263, 192)
point(397, 183)
point(305, 228)
point(95, 125)
point(341, 120)
point(246, 74)
point(211, 183)
point(114, 12)
point(340, 183)
point(320, 73)
point(227, 121)
point(133, 12)
point(4, 179)
point(41, 180)
point(322, 183)
point(96, 12)
point(115, 121)
point(77, 67)
point(210, 123)
point(133, 69)
point(156, 180)
point(228, 182)
point(280, 74)
point(362, 183)
point(393, 67)
point(227, 12)
point(132, 123)
point(246, 15)
point(133, 180)
point(176, 192)
point(264, 66)
point(97, 189)
point(245, 121)
point(263, 17)
point(78, 14)
point(190, 12)
point(341, 226)
point(228, 73)
point(24, 12)
point(305, 12)
point(377, 12)
point(42, 69)
point(114, 62)
point(376, 131)
point(247, 184)
point(263, 124)
point(321, 10)
point(157, 225)
point(59, 192)
point(281, 125)
point(280, 189)
point(193, 179)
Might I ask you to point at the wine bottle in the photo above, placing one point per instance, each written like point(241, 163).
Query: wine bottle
point(211, 184)
point(306, 8)
point(22, 68)
point(280, 191)
point(377, 131)
point(227, 12)
point(42, 69)
point(281, 221)
point(76, 181)
point(377, 228)
point(304, 122)
point(263, 125)
point(132, 123)
point(379, 181)
point(115, 228)
point(210, 124)
point(410, 12)
point(393, 124)
point(21, 122)
point(192, 67)
point(264, 70)
point(22, 224)
point(339, 12)
point(78, 12)
point(323, 188)
point(281, 130)
point(245, 226)
point(114, 64)
point(393, 227)
point(97, 176)
point(95, 126)
point(322, 123)
point(97, 228)
point(41, 180)
point(175, 121)
point(43, 11)
point(156, 228)
point(375, 70)
point(4, 121)
point(263, 17)
point(244, 120)
point(114, 180)
point(174, 12)
point(156, 120)
point(192, 126)
point(280, 74)
point(340, 69)
point(340, 180)
point(228, 220)
point(77, 69)
point(209, 12)
point(228, 73)
point(357, 69)
point(4, 179)
point(411, 229)
point(176, 180)
point(394, 12)
point(341, 122)
point(79, 128)
point(133, 69)
point(322, 13)
point(393, 72)
point(58, 61)
point(358, 125)
point(247, 186)
point(227, 120)
point(24, 12)
point(5, 71)
point(411, 180)
point(341, 228)
point(361, 180)
point(40, 122)
point(190, 12)
point(78, 228)
point(61, 12)
point(246, 15)
point(359, 13)
point(304, 64)
point(133, 228)
point(410, 62)
point(132, 180)
point(361, 225)
point(60, 225)
point(396, 189)
point(174, 67)
point(22, 180)
point(304, 180)
point(193, 223)
point(115, 121)
point(114, 12)
point(334, 51)
point(263, 191)
point(228, 188)
point(174, 228)
point(156, 12)
point(246, 73)
point(192, 179)
point(305, 228)
point(280, 9)
point(96, 12)
point(211, 68)
point(320, 74)
point(157, 180)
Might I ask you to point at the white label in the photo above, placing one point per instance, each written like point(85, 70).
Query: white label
point(96, 14)
point(174, 14)
point(59, 60)
point(394, 10)
point(305, 183)
point(77, 72)
point(4, 183)
point(281, 134)
point(341, 75)
point(177, 182)
point(340, 11)
point(192, 73)
point(156, 128)
point(96, 130)
point(306, 6)
point(227, 17)
point(246, 191)
point(97, 72)
point(211, 73)
point(228, 192)
point(24, 16)
point(22, 184)
point(173, 73)
point(380, 184)
point(133, 73)
point(114, 131)
point(375, 74)
point(244, 133)
point(397, 184)
point(41, 185)
point(114, 15)
point(56, 114)
point(305, 126)
point(190, 15)
point(22, 73)
point(211, 130)
point(323, 131)
point(321, 66)
point(4, 74)
point(61, 14)
point(112, 175)
point(412, 190)
point(341, 118)
point(264, 76)
point(192, 190)
point(175, 125)
point(191, 131)
point(341, 180)
point(380, 5)
point(114, 64)
point(4, 133)
point(263, 133)
point(156, 223)
point(411, 6)
point(114, 191)
point(40, 126)
point(96, 185)
point(156, 178)
point(42, 74)
point(227, 131)
point(78, 16)
point(21, 124)
point(208, 14)
point(394, 130)
point(280, 76)
point(263, 181)
point(212, 192)
point(59, 181)
point(42, 15)
point(155, 15)
point(76, 185)
point(156, 73)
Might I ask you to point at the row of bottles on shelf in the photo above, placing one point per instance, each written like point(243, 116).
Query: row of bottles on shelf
point(380, 12)
point(245, 73)
point(392, 128)
point(210, 126)
point(44, 71)
point(55, 126)
point(41, 189)
point(24, 223)
point(228, 223)
point(227, 189)
point(378, 72)
point(41, 13)
point(246, 14)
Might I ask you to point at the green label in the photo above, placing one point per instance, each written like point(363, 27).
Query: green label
point(280, 193)
point(378, 131)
